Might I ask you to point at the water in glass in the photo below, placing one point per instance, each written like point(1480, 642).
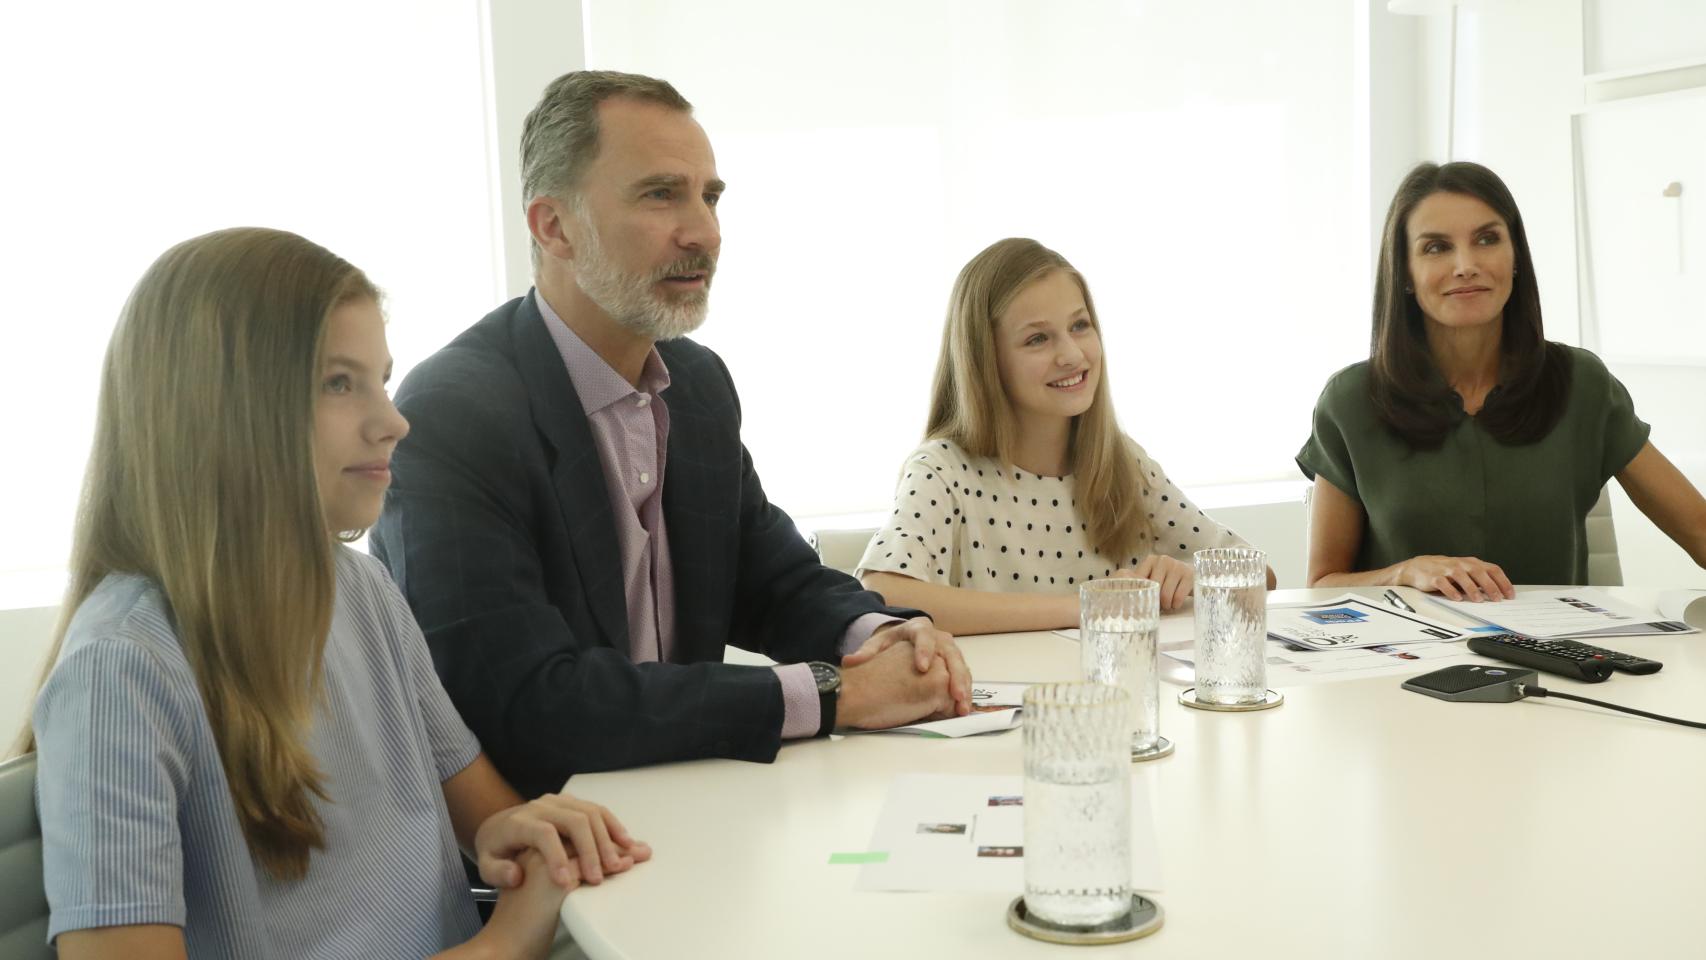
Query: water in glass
point(1085, 878)
point(1232, 626)
point(1077, 803)
point(1118, 623)
point(1122, 652)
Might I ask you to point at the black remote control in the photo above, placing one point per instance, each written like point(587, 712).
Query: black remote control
point(1565, 658)
point(1626, 662)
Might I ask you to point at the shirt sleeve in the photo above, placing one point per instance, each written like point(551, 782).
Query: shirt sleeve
point(1625, 433)
point(453, 745)
point(1326, 453)
point(802, 714)
point(918, 539)
point(1179, 528)
point(111, 776)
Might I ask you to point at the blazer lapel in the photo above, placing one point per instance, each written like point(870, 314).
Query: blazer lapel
point(578, 474)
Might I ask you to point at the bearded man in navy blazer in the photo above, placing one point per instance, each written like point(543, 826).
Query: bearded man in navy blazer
point(573, 516)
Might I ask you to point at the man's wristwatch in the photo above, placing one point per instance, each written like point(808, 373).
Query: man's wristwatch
point(828, 677)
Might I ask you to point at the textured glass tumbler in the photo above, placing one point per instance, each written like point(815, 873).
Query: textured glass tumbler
point(1118, 621)
point(1077, 803)
point(1232, 625)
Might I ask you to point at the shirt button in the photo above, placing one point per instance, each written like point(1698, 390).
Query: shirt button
point(645, 477)
point(643, 400)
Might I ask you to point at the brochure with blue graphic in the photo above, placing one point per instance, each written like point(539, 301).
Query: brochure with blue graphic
point(1350, 621)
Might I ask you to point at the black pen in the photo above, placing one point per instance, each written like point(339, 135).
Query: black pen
point(1397, 601)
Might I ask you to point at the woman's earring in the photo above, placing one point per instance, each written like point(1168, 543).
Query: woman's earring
point(1409, 289)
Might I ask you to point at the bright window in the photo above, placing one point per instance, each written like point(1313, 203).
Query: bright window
point(1195, 161)
point(132, 126)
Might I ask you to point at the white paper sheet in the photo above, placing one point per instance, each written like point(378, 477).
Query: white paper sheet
point(970, 725)
point(1289, 667)
point(944, 832)
point(995, 707)
point(1689, 606)
point(1345, 622)
point(1579, 612)
point(1350, 621)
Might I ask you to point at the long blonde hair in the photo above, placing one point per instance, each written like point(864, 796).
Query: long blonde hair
point(969, 407)
point(202, 480)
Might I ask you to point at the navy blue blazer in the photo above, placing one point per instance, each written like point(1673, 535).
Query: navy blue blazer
point(499, 531)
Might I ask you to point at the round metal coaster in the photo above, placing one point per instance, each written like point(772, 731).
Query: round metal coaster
point(1188, 697)
point(1163, 748)
point(1144, 919)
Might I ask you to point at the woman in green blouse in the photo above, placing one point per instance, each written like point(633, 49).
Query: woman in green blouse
point(1464, 455)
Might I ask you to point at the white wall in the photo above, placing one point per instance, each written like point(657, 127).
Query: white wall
point(528, 44)
point(24, 637)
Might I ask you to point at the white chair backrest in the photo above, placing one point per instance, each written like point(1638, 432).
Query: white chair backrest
point(841, 549)
point(1604, 569)
point(1308, 504)
point(23, 899)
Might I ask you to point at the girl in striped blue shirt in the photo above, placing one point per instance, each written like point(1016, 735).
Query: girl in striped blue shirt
point(244, 750)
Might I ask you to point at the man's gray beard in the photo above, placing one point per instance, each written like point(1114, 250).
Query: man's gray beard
point(629, 299)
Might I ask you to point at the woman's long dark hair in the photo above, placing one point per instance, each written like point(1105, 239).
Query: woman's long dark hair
point(1408, 392)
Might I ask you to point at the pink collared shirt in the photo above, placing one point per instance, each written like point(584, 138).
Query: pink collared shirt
point(630, 427)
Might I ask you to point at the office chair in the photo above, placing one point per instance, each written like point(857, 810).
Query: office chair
point(1604, 568)
point(841, 549)
point(1308, 505)
point(23, 898)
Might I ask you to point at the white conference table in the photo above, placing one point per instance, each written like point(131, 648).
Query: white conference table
point(1355, 820)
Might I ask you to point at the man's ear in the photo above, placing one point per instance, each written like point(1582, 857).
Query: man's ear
point(548, 220)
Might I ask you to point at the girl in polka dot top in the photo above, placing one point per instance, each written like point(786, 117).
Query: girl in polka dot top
point(1025, 487)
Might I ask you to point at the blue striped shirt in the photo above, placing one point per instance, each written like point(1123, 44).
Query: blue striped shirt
point(138, 826)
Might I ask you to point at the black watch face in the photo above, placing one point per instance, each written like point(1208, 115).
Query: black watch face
point(828, 678)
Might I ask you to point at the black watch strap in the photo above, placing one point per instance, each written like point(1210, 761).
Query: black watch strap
point(828, 678)
point(826, 711)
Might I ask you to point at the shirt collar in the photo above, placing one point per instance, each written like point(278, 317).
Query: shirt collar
point(596, 382)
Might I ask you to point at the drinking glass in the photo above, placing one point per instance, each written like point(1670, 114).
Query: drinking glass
point(1232, 626)
point(1077, 804)
point(1118, 622)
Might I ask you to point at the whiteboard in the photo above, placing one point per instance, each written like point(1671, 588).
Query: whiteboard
point(1643, 253)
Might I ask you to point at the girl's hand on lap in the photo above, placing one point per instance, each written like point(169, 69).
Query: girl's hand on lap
point(1456, 578)
point(600, 844)
point(1175, 577)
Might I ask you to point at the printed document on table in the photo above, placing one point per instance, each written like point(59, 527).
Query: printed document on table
point(1351, 621)
point(994, 707)
point(1565, 613)
point(947, 832)
point(1291, 667)
point(1689, 606)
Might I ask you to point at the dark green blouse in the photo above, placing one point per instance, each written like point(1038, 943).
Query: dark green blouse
point(1523, 507)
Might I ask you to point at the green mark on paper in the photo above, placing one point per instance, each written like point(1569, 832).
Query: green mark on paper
point(873, 856)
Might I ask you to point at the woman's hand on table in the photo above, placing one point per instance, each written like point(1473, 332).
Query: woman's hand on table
point(1456, 578)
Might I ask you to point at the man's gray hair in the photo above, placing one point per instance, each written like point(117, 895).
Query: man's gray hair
point(559, 139)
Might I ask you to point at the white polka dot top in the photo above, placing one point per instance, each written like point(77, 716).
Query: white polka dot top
point(965, 521)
